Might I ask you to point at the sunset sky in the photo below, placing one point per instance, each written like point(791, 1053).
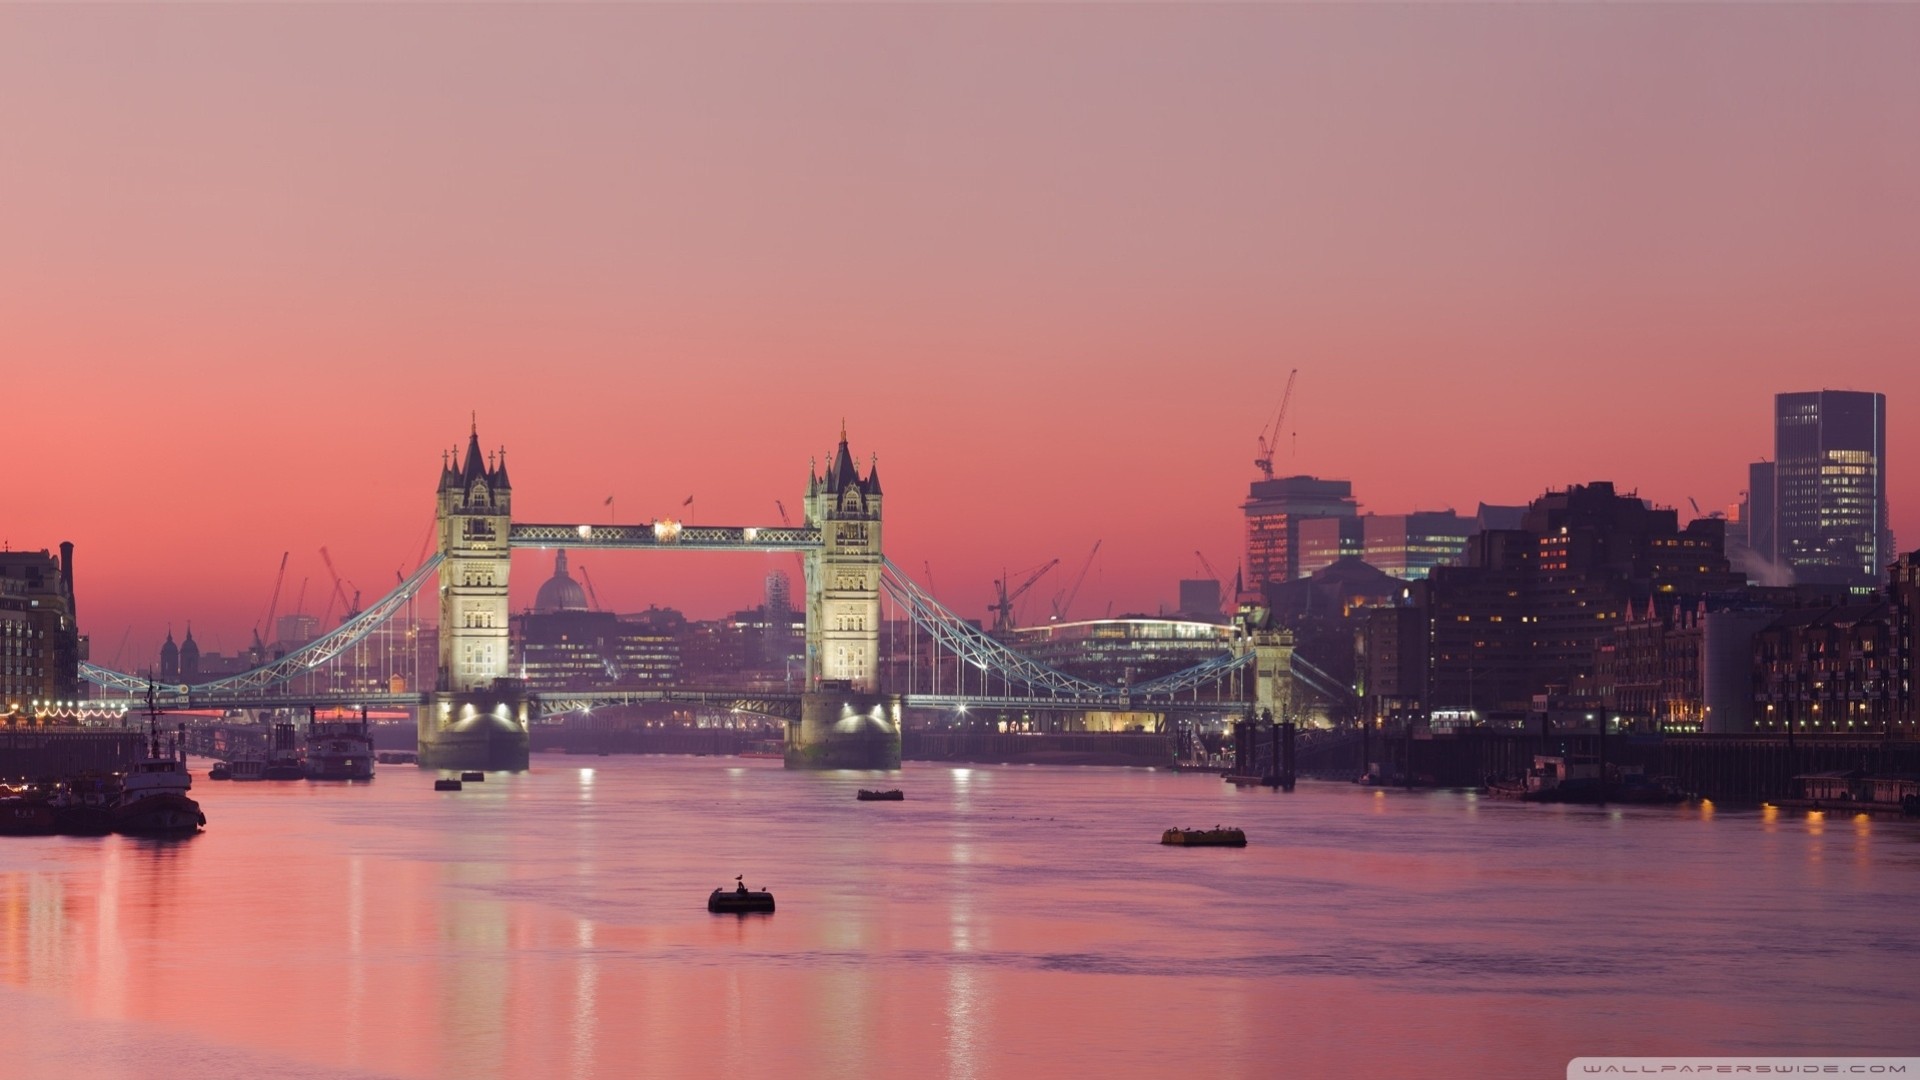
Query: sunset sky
point(258, 265)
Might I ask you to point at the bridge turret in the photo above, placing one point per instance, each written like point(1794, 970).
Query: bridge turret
point(478, 715)
point(845, 720)
point(843, 577)
point(475, 517)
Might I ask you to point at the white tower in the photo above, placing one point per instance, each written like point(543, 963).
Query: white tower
point(843, 577)
point(475, 514)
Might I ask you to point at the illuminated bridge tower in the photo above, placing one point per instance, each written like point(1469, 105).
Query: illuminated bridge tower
point(477, 718)
point(845, 719)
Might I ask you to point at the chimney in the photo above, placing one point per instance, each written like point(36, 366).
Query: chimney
point(66, 575)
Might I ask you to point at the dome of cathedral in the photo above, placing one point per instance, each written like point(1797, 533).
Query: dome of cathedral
point(560, 592)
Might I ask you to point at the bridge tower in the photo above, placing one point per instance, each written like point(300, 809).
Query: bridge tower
point(1271, 691)
point(477, 717)
point(846, 721)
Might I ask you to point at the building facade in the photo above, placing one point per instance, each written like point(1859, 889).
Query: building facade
point(1274, 510)
point(40, 641)
point(1830, 488)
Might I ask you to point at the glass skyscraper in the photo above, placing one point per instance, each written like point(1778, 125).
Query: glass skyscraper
point(1830, 487)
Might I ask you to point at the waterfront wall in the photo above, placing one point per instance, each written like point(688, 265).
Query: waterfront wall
point(1731, 768)
point(583, 739)
point(27, 754)
point(1052, 748)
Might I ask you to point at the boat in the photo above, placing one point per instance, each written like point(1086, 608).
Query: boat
point(1576, 778)
point(247, 768)
point(740, 900)
point(283, 760)
point(397, 757)
point(895, 795)
point(474, 776)
point(770, 749)
point(220, 771)
point(153, 797)
point(339, 750)
point(27, 814)
point(83, 805)
point(1214, 837)
point(446, 784)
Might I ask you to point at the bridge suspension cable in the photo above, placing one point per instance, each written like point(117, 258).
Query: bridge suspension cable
point(299, 662)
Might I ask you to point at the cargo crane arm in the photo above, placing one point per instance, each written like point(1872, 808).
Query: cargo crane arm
point(592, 596)
point(1269, 439)
point(1060, 606)
point(1226, 598)
point(1003, 607)
point(273, 605)
point(339, 592)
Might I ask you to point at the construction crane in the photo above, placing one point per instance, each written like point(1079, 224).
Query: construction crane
point(339, 592)
point(1269, 439)
point(799, 560)
point(1003, 608)
point(1060, 606)
point(593, 598)
point(1226, 598)
point(300, 602)
point(273, 605)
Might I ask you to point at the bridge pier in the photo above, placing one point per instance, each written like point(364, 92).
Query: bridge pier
point(845, 729)
point(476, 729)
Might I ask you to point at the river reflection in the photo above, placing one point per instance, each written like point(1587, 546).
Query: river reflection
point(1002, 920)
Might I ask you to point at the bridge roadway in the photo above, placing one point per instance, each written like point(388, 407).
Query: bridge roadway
point(774, 703)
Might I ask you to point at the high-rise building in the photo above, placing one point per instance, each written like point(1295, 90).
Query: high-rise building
point(1275, 509)
point(1830, 487)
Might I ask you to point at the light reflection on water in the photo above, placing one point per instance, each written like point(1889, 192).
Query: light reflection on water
point(1001, 920)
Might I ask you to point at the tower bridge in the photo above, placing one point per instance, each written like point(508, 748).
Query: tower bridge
point(476, 715)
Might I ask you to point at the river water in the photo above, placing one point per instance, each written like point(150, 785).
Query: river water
point(1004, 920)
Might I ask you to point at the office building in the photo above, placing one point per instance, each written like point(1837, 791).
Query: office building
point(1275, 509)
point(1830, 488)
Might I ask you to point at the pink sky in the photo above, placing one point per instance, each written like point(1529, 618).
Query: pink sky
point(258, 263)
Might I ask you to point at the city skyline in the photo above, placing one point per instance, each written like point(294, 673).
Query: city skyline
point(1058, 304)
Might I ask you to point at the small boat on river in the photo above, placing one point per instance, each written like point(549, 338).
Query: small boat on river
point(893, 795)
point(740, 900)
point(1214, 837)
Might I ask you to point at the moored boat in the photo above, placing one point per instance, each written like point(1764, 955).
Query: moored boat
point(283, 761)
point(1214, 837)
point(83, 805)
point(339, 750)
point(893, 795)
point(27, 814)
point(153, 797)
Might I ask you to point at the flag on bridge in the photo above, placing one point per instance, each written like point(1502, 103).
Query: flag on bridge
point(689, 501)
point(609, 501)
